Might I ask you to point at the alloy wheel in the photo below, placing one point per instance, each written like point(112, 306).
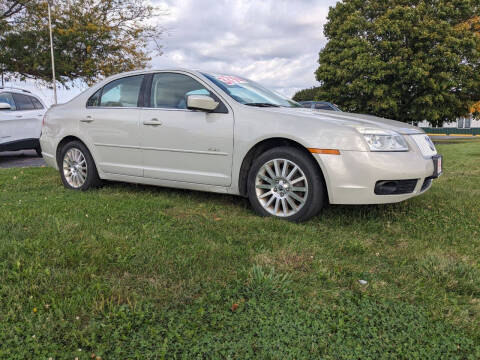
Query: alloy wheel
point(281, 187)
point(75, 168)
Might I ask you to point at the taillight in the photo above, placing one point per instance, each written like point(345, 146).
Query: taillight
point(44, 120)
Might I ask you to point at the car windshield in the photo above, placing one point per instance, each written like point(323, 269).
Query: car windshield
point(248, 92)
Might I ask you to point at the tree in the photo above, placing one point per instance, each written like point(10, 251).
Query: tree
point(473, 24)
point(410, 60)
point(92, 38)
point(306, 94)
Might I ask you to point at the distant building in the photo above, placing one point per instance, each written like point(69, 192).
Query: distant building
point(468, 122)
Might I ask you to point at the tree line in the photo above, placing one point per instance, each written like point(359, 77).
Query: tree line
point(92, 38)
point(410, 60)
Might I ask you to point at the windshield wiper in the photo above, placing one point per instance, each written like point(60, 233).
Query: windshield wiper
point(262, 104)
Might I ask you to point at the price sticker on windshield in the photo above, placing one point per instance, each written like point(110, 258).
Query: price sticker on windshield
point(230, 80)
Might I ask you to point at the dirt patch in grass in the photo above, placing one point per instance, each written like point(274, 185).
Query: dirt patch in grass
point(285, 260)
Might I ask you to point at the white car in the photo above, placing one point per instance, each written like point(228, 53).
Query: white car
point(21, 115)
point(226, 134)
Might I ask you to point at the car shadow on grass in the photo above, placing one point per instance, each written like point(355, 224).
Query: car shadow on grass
point(347, 212)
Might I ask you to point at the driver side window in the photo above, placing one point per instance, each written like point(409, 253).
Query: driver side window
point(8, 99)
point(170, 90)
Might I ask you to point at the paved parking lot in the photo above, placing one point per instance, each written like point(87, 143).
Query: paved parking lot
point(24, 158)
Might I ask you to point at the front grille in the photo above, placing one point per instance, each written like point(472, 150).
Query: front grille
point(426, 184)
point(425, 145)
point(395, 187)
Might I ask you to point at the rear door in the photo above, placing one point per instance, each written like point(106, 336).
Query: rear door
point(40, 112)
point(111, 123)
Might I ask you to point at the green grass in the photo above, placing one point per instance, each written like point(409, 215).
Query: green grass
point(131, 271)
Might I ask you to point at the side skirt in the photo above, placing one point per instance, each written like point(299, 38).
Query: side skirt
point(24, 144)
point(166, 183)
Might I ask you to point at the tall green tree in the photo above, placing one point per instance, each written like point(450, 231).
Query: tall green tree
point(404, 59)
point(92, 38)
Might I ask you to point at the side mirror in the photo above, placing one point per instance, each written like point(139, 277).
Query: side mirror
point(5, 106)
point(201, 102)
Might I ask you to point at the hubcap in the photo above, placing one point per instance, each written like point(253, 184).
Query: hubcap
point(75, 168)
point(281, 187)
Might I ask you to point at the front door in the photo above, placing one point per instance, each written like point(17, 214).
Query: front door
point(8, 119)
point(111, 122)
point(180, 144)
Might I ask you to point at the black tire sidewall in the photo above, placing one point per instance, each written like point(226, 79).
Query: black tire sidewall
point(316, 194)
point(92, 174)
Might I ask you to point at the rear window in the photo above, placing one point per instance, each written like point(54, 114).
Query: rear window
point(123, 92)
point(23, 102)
point(36, 103)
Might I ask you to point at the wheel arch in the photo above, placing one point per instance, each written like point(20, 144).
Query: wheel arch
point(265, 145)
point(64, 141)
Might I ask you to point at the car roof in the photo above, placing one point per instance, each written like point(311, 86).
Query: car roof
point(21, 91)
point(15, 90)
point(148, 71)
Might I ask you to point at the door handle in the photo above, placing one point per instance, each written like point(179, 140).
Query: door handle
point(153, 122)
point(19, 116)
point(88, 119)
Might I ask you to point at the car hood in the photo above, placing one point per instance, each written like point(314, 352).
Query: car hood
point(349, 119)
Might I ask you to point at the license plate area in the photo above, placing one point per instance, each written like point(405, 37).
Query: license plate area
point(437, 166)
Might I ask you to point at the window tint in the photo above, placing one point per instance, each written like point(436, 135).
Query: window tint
point(94, 99)
point(23, 102)
point(323, 107)
point(36, 103)
point(307, 105)
point(170, 90)
point(122, 92)
point(7, 98)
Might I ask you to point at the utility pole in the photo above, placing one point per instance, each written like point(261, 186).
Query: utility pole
point(51, 52)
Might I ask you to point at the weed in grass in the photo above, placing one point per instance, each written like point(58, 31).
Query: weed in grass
point(453, 274)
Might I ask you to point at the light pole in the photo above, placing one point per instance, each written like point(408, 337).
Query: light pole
point(51, 52)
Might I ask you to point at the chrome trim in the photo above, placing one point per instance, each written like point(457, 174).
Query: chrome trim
point(164, 149)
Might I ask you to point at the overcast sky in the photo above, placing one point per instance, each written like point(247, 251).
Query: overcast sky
point(274, 42)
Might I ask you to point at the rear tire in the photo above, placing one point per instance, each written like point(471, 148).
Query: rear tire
point(285, 182)
point(38, 149)
point(77, 168)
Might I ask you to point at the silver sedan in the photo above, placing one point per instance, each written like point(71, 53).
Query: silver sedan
point(224, 133)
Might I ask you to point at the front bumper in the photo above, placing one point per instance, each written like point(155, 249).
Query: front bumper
point(351, 176)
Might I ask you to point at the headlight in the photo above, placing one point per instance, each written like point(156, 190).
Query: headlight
point(384, 140)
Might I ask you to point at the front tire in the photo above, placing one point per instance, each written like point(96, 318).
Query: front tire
point(77, 168)
point(285, 182)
